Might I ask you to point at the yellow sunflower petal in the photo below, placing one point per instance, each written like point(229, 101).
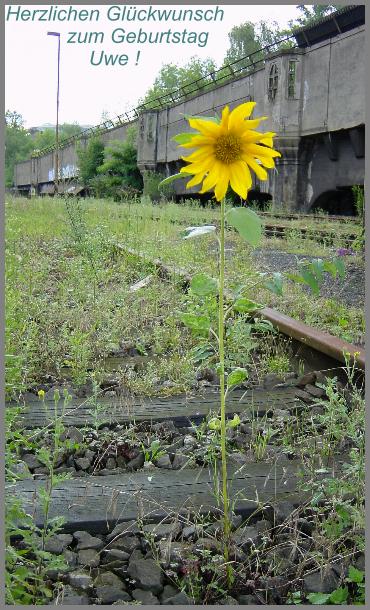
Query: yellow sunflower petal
point(240, 113)
point(211, 179)
point(225, 119)
point(260, 172)
point(267, 162)
point(252, 123)
point(203, 152)
point(264, 151)
point(223, 182)
point(200, 166)
point(196, 180)
point(250, 137)
point(198, 140)
point(207, 128)
point(267, 138)
point(240, 178)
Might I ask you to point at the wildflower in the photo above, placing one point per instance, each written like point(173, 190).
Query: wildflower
point(41, 393)
point(345, 252)
point(226, 150)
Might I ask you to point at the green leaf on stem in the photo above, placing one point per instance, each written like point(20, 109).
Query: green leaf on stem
point(339, 596)
point(234, 422)
point(247, 223)
point(204, 285)
point(317, 599)
point(317, 266)
point(355, 575)
point(199, 324)
point(170, 179)
point(244, 305)
point(183, 138)
point(276, 284)
point(339, 264)
point(236, 376)
point(330, 267)
point(214, 424)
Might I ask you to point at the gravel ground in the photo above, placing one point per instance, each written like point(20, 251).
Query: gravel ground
point(350, 291)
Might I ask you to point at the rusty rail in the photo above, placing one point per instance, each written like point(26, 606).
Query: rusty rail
point(323, 342)
point(312, 337)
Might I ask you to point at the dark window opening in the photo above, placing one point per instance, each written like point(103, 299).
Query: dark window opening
point(273, 82)
point(291, 79)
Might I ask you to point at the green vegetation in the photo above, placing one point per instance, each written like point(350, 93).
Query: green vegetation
point(69, 305)
point(20, 143)
point(111, 171)
point(90, 159)
point(73, 307)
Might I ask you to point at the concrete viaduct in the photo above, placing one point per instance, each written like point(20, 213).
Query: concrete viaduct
point(314, 96)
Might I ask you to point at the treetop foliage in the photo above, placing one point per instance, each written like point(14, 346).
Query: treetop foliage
point(244, 40)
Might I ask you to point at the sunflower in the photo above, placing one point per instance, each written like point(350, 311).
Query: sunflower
point(226, 150)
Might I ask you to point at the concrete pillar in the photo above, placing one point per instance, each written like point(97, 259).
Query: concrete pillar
point(283, 183)
point(147, 141)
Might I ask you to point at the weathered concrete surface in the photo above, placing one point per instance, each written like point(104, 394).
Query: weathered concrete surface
point(319, 127)
point(313, 126)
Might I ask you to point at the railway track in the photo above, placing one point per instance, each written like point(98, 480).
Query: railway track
point(333, 218)
point(281, 230)
point(317, 345)
point(119, 511)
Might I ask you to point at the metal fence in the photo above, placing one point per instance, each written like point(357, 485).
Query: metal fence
point(233, 70)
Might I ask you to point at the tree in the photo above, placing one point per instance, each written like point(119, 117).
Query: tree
point(249, 39)
point(13, 119)
point(90, 159)
point(172, 77)
point(67, 130)
point(243, 42)
point(18, 143)
point(119, 175)
point(43, 139)
point(313, 12)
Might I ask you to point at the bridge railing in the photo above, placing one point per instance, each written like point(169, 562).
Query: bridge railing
point(247, 64)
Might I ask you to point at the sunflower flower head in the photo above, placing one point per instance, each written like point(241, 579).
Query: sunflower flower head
point(226, 150)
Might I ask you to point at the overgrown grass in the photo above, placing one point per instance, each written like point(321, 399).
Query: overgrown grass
point(68, 297)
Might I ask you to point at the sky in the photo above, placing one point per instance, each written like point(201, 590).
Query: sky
point(88, 91)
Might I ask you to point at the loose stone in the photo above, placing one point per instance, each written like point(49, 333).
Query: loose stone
point(145, 597)
point(88, 557)
point(57, 543)
point(86, 541)
point(147, 574)
point(80, 580)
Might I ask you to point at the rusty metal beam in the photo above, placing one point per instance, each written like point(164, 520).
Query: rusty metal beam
point(315, 338)
point(312, 337)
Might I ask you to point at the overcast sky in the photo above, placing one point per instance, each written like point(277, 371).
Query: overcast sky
point(86, 91)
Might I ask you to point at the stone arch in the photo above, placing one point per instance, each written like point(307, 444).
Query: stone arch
point(339, 202)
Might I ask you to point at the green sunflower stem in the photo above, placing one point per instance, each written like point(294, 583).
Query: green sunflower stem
point(226, 503)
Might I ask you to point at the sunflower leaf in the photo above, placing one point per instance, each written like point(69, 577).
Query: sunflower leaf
point(247, 223)
point(236, 376)
point(173, 178)
point(183, 138)
point(213, 119)
point(199, 324)
point(244, 305)
point(214, 424)
point(197, 231)
point(234, 422)
point(276, 284)
point(204, 285)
